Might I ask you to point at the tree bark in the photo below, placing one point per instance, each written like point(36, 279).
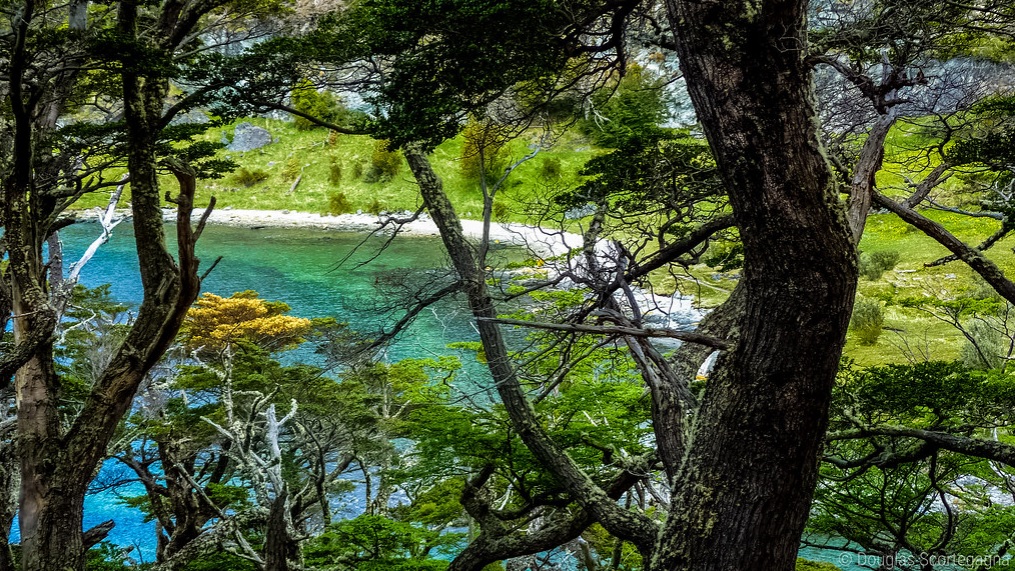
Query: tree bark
point(631, 526)
point(57, 467)
point(747, 480)
point(281, 549)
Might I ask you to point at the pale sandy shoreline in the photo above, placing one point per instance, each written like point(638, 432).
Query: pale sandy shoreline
point(667, 310)
point(541, 241)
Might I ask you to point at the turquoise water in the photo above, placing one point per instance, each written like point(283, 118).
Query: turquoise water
point(300, 268)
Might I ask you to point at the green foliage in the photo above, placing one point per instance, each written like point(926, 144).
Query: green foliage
point(107, 557)
point(499, 211)
point(375, 207)
point(993, 144)
point(292, 169)
point(435, 77)
point(249, 177)
point(663, 171)
point(867, 320)
point(927, 394)
point(323, 105)
point(550, 169)
point(881, 490)
point(471, 346)
point(384, 163)
point(874, 264)
point(725, 256)
point(339, 204)
point(181, 141)
point(93, 328)
point(630, 112)
point(605, 546)
point(483, 152)
point(221, 561)
point(335, 172)
point(375, 543)
point(986, 345)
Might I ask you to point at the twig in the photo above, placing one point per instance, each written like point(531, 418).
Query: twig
point(687, 336)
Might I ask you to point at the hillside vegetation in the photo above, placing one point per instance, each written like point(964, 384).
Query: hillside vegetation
point(341, 174)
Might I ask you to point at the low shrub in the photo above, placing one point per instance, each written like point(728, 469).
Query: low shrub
point(867, 321)
point(499, 211)
point(375, 207)
point(338, 203)
point(335, 172)
point(322, 105)
point(250, 177)
point(292, 169)
point(873, 265)
point(988, 346)
point(384, 164)
point(551, 169)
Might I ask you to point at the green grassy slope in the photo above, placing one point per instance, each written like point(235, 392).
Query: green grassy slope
point(314, 154)
point(331, 166)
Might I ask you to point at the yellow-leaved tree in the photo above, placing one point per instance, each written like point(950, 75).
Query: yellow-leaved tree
point(217, 323)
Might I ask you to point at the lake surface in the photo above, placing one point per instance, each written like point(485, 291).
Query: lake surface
point(299, 267)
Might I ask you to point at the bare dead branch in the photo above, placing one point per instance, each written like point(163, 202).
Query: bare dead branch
point(687, 336)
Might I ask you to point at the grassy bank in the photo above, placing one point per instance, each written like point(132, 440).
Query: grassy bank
point(346, 174)
point(338, 174)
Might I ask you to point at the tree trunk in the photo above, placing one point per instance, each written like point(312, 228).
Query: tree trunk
point(57, 467)
point(52, 537)
point(631, 526)
point(281, 550)
point(746, 482)
point(10, 478)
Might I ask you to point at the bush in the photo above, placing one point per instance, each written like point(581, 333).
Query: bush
point(320, 104)
point(990, 345)
point(357, 171)
point(550, 169)
point(384, 163)
point(335, 172)
point(375, 207)
point(338, 203)
point(292, 169)
point(867, 321)
point(499, 211)
point(489, 138)
point(250, 177)
point(873, 265)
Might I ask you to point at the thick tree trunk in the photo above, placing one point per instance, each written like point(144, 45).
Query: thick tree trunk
point(52, 538)
point(746, 483)
point(10, 480)
point(57, 467)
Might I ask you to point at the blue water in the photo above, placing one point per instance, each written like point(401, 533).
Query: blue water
point(298, 267)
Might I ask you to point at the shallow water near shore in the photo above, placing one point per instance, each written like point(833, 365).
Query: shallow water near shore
point(299, 267)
